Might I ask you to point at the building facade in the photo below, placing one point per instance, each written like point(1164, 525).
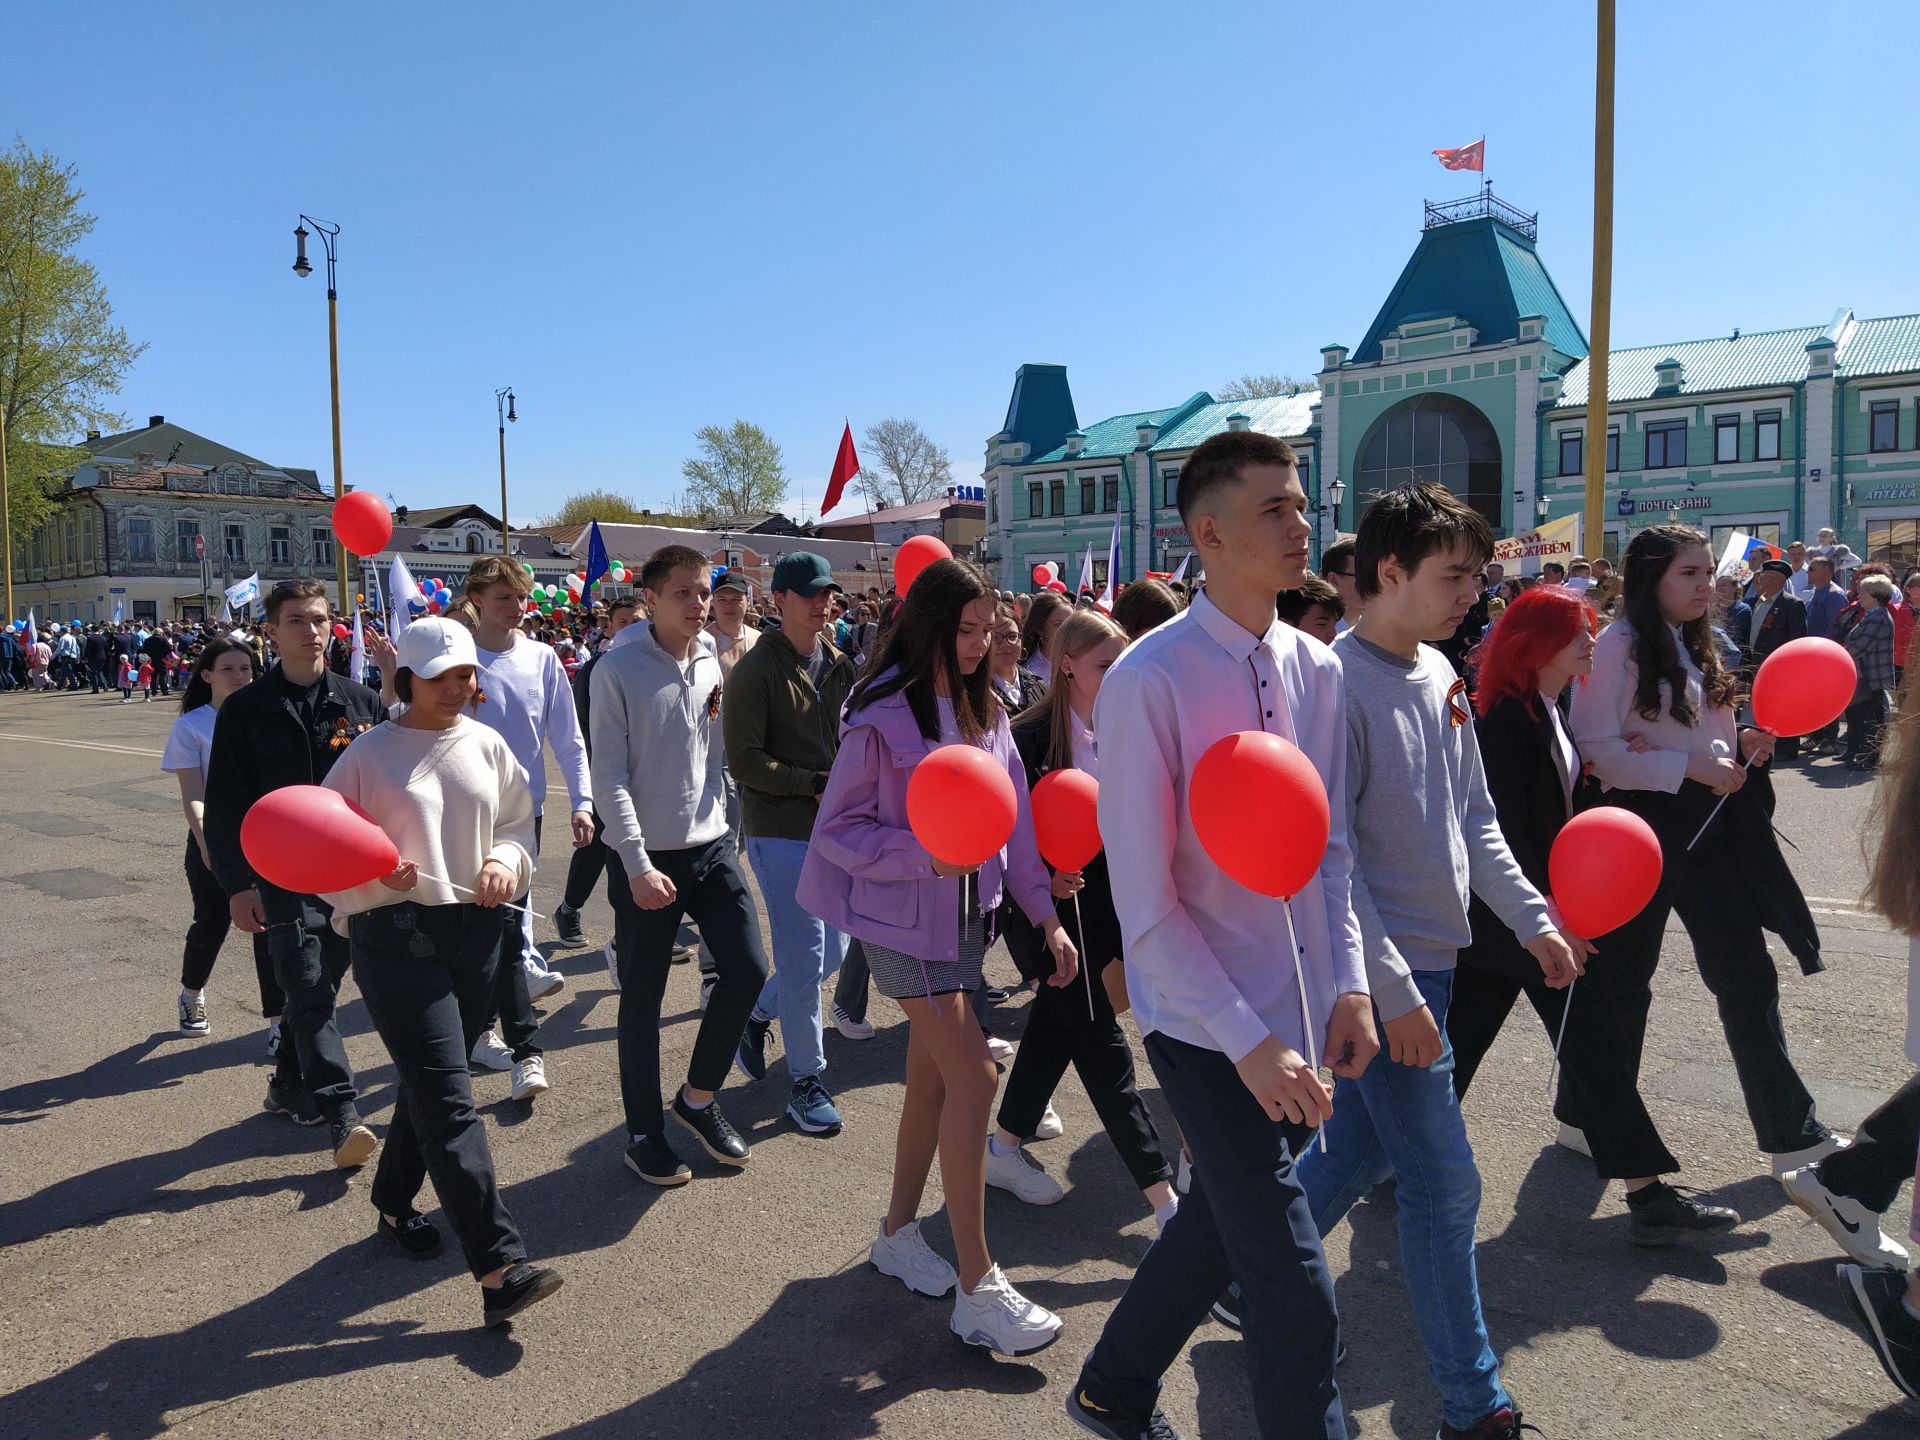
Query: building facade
point(958, 518)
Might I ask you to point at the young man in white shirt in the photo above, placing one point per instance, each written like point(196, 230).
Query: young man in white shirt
point(1220, 1013)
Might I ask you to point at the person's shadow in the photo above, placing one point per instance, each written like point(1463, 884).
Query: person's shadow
point(1812, 1285)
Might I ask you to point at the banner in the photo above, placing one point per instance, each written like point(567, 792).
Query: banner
point(401, 592)
point(357, 657)
point(1525, 553)
point(246, 592)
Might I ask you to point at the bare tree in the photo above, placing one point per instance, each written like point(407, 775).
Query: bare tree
point(1259, 387)
point(738, 472)
point(910, 466)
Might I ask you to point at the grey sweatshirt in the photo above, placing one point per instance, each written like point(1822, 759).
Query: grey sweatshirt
point(659, 760)
point(1421, 823)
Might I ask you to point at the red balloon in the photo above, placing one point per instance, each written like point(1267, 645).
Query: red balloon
point(1603, 870)
point(913, 556)
point(1066, 818)
point(434, 607)
point(1803, 685)
point(340, 632)
point(1260, 810)
point(312, 840)
point(361, 522)
point(961, 805)
point(1042, 575)
point(1059, 587)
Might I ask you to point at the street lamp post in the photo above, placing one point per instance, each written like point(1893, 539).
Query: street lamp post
point(6, 521)
point(503, 407)
point(329, 241)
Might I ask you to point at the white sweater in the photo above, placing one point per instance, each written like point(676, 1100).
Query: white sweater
point(1605, 714)
point(530, 702)
point(451, 800)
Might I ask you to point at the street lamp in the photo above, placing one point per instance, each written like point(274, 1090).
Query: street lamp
point(329, 240)
point(1541, 507)
point(503, 407)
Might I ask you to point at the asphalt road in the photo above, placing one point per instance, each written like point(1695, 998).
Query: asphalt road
point(179, 1261)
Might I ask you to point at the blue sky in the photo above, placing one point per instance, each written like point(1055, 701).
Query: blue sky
point(647, 218)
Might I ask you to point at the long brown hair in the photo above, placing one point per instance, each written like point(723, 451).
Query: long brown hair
point(918, 645)
point(1044, 604)
point(1649, 556)
point(1893, 883)
point(1078, 633)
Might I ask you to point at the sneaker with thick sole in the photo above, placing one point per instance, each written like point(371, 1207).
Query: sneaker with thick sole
point(751, 1057)
point(1098, 1413)
point(710, 1128)
point(352, 1141)
point(1854, 1228)
point(193, 1014)
point(850, 1028)
point(1000, 1050)
point(490, 1052)
point(1503, 1424)
point(541, 986)
point(1876, 1294)
point(293, 1102)
point(906, 1256)
point(567, 926)
point(530, 1077)
point(1021, 1175)
point(1575, 1140)
point(1049, 1127)
point(520, 1288)
point(415, 1237)
point(1812, 1155)
point(998, 1317)
point(1672, 1214)
point(811, 1108)
point(1227, 1308)
point(613, 966)
point(655, 1161)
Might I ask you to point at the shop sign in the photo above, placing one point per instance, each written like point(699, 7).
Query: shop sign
point(1177, 533)
point(1624, 506)
point(1679, 502)
point(1891, 492)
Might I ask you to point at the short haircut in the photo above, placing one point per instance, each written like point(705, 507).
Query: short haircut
point(1293, 605)
point(305, 588)
point(1411, 522)
point(1546, 565)
point(1878, 586)
point(1826, 560)
point(1222, 460)
point(491, 570)
point(667, 559)
point(1339, 555)
point(624, 602)
point(1143, 605)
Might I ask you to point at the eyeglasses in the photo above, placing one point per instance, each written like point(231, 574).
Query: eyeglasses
point(1342, 574)
point(407, 919)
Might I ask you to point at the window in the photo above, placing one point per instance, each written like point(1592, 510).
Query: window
point(279, 545)
point(1726, 440)
point(1437, 438)
point(185, 532)
point(73, 540)
point(993, 507)
point(1894, 543)
point(236, 542)
point(1086, 495)
point(1170, 487)
point(473, 543)
point(1036, 502)
point(1110, 494)
point(1766, 435)
point(1303, 467)
point(323, 546)
point(86, 543)
point(1613, 449)
point(1667, 445)
point(1057, 497)
point(139, 540)
point(233, 481)
point(1884, 433)
point(1571, 457)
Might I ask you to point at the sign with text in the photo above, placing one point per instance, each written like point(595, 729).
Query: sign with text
point(1891, 492)
point(1525, 553)
point(1678, 502)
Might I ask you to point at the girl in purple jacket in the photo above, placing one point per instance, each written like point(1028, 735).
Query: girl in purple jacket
point(867, 876)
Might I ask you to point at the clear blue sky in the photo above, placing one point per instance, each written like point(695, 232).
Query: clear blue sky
point(648, 217)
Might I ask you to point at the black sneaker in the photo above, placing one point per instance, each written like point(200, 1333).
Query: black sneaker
point(654, 1161)
point(1670, 1215)
point(353, 1142)
point(1503, 1424)
point(1876, 1293)
point(566, 924)
point(293, 1102)
point(997, 994)
point(520, 1287)
point(752, 1055)
point(416, 1235)
point(1227, 1308)
point(710, 1128)
point(1113, 1419)
point(682, 954)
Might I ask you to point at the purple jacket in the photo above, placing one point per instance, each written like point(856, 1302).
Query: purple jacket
point(865, 873)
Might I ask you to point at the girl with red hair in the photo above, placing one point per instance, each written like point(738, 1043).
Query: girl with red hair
point(1543, 644)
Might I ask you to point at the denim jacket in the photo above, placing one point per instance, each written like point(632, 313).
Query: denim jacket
point(865, 873)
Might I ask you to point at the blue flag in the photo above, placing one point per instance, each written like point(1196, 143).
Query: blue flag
point(597, 562)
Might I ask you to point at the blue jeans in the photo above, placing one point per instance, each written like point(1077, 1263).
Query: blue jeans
point(1403, 1122)
point(805, 952)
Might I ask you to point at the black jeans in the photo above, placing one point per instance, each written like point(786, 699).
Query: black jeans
point(426, 973)
point(586, 867)
point(1626, 1144)
point(309, 961)
point(712, 890)
point(1881, 1158)
point(512, 1000)
point(854, 982)
point(1866, 719)
point(212, 919)
point(1245, 1218)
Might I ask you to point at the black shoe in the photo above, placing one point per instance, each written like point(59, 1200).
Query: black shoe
point(710, 1128)
point(998, 994)
point(353, 1142)
point(1114, 1420)
point(1669, 1215)
point(293, 1102)
point(520, 1287)
point(1876, 1293)
point(1503, 1424)
point(752, 1055)
point(682, 954)
point(654, 1161)
point(566, 924)
point(416, 1235)
point(1227, 1308)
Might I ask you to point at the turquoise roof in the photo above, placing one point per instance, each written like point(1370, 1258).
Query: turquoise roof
point(1882, 347)
point(1116, 435)
point(1282, 415)
point(1041, 409)
point(1770, 357)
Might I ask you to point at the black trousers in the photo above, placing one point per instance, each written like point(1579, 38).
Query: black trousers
point(1625, 1142)
point(1882, 1156)
point(1062, 1031)
point(426, 973)
point(712, 890)
point(309, 961)
point(854, 982)
point(584, 870)
point(212, 919)
point(1245, 1219)
point(1866, 719)
point(512, 1000)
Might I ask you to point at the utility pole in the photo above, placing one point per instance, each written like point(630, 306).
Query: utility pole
point(1593, 528)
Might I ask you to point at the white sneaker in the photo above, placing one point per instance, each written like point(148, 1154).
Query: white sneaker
point(530, 1078)
point(1854, 1228)
point(1023, 1176)
point(490, 1052)
point(1050, 1127)
point(1002, 1319)
point(1812, 1155)
point(850, 1028)
point(541, 986)
point(193, 1013)
point(1000, 1050)
point(906, 1256)
point(1182, 1174)
point(613, 966)
point(1574, 1140)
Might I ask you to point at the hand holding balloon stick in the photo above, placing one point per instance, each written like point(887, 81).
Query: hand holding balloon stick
point(1066, 825)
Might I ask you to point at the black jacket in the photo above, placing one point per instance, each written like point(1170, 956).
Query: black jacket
point(1101, 943)
point(94, 651)
point(1786, 620)
point(1032, 691)
point(259, 745)
point(1529, 790)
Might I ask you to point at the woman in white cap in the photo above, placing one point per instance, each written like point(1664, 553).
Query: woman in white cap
point(427, 943)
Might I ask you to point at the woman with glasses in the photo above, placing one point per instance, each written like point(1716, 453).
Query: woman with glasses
point(1013, 684)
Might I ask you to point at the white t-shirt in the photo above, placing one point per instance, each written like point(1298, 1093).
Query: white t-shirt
point(190, 742)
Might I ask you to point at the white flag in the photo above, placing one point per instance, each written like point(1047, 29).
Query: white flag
point(400, 589)
point(245, 592)
point(1105, 602)
point(118, 607)
point(1733, 556)
point(32, 632)
point(1086, 573)
point(1181, 573)
point(357, 657)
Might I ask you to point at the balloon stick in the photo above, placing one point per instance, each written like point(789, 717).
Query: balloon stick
point(1306, 1014)
point(441, 879)
point(1081, 926)
point(1561, 1038)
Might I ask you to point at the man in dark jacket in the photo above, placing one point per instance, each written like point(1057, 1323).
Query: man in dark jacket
point(94, 655)
point(287, 729)
point(157, 648)
point(1778, 616)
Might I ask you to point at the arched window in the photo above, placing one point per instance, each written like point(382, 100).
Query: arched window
point(473, 543)
point(1434, 437)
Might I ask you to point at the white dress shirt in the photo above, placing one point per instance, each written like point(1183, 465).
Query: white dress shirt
point(1604, 714)
point(1207, 958)
point(1086, 750)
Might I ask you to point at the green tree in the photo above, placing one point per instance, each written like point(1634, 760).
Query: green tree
point(737, 472)
point(1259, 387)
point(60, 352)
point(604, 505)
point(910, 466)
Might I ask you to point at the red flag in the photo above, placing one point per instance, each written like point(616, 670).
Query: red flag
point(846, 465)
point(1467, 157)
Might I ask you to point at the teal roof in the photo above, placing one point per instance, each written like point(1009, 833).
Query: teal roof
point(1770, 357)
point(1041, 409)
point(1116, 435)
point(1534, 293)
point(1882, 347)
point(1282, 415)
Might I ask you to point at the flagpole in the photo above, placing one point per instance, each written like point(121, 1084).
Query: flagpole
point(1600, 337)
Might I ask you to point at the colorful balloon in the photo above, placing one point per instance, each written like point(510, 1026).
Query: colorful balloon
point(913, 556)
point(961, 804)
point(1041, 575)
point(1603, 869)
point(1066, 818)
point(1803, 685)
point(1260, 810)
point(361, 522)
point(1058, 587)
point(340, 632)
point(312, 840)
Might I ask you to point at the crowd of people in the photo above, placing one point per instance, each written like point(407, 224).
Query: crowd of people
point(702, 731)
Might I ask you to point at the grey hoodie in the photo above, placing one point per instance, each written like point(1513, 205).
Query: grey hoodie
point(659, 758)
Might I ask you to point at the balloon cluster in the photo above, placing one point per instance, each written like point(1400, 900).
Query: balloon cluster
point(1047, 576)
point(545, 599)
point(434, 597)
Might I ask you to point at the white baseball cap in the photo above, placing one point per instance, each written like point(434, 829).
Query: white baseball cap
point(432, 646)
